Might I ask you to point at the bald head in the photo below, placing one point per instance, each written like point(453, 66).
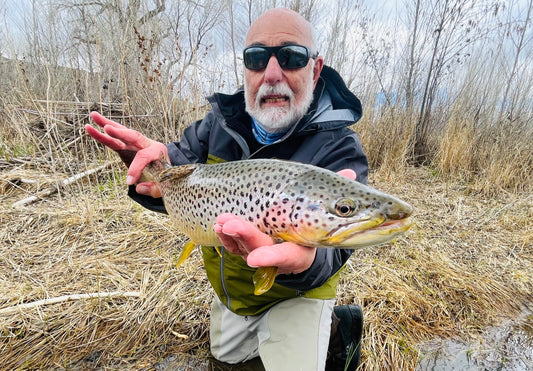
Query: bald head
point(280, 26)
point(278, 94)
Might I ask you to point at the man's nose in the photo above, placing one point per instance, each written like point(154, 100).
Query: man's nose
point(273, 72)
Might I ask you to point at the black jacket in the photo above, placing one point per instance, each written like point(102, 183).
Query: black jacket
point(320, 138)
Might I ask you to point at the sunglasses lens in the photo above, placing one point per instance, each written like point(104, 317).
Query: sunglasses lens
point(256, 58)
point(292, 57)
point(289, 56)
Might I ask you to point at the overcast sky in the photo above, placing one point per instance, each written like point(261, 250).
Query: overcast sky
point(13, 12)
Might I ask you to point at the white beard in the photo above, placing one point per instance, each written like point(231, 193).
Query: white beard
point(279, 119)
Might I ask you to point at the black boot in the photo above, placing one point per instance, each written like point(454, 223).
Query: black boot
point(345, 340)
point(254, 364)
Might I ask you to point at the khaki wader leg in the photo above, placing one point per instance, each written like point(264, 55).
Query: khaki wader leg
point(292, 335)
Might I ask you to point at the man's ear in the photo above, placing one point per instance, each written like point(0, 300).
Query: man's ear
point(319, 63)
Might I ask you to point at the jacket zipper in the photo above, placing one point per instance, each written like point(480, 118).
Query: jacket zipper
point(222, 279)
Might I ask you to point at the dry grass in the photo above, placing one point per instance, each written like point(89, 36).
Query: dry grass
point(467, 262)
point(466, 265)
point(89, 243)
point(492, 158)
point(385, 136)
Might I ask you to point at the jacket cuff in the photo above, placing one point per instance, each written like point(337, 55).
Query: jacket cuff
point(154, 204)
point(317, 274)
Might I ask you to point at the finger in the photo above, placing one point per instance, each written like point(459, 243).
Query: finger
point(104, 139)
point(287, 256)
point(149, 189)
point(223, 218)
point(103, 121)
point(244, 233)
point(239, 236)
point(143, 158)
point(228, 242)
point(348, 173)
point(130, 137)
point(231, 245)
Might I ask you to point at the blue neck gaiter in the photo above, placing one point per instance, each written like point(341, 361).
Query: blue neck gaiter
point(262, 135)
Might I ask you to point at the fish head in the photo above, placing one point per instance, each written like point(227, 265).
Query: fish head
point(333, 211)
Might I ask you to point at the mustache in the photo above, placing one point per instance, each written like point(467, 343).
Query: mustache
point(278, 89)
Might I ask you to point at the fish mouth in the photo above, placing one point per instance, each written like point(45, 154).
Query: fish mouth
point(367, 233)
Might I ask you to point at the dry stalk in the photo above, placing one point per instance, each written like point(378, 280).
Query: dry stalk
point(64, 183)
point(65, 298)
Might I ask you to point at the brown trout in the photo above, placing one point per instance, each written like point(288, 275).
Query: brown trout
point(290, 201)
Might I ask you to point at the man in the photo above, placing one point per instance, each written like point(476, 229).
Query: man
point(295, 108)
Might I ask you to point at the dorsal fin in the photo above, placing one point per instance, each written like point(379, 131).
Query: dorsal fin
point(177, 172)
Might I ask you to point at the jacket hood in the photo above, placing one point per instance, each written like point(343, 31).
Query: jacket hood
point(334, 106)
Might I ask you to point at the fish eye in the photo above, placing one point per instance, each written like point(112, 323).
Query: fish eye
point(345, 207)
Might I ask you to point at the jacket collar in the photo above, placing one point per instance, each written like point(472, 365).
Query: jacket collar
point(334, 106)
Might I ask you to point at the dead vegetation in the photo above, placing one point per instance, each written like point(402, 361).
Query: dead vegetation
point(88, 279)
point(122, 303)
point(137, 305)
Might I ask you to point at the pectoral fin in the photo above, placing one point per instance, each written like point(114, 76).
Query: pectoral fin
point(185, 252)
point(264, 279)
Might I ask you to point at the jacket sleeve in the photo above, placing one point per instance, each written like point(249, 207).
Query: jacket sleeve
point(343, 152)
point(191, 148)
point(327, 262)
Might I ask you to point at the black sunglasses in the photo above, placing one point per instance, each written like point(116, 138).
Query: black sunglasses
point(288, 56)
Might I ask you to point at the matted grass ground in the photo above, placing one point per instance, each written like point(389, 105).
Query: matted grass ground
point(467, 263)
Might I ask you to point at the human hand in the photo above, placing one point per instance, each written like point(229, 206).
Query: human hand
point(242, 238)
point(348, 173)
point(118, 137)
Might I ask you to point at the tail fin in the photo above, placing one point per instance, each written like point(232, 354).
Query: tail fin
point(126, 156)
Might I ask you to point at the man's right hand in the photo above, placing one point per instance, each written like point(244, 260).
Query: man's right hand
point(119, 137)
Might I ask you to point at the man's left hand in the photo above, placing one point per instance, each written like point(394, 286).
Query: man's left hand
point(241, 237)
